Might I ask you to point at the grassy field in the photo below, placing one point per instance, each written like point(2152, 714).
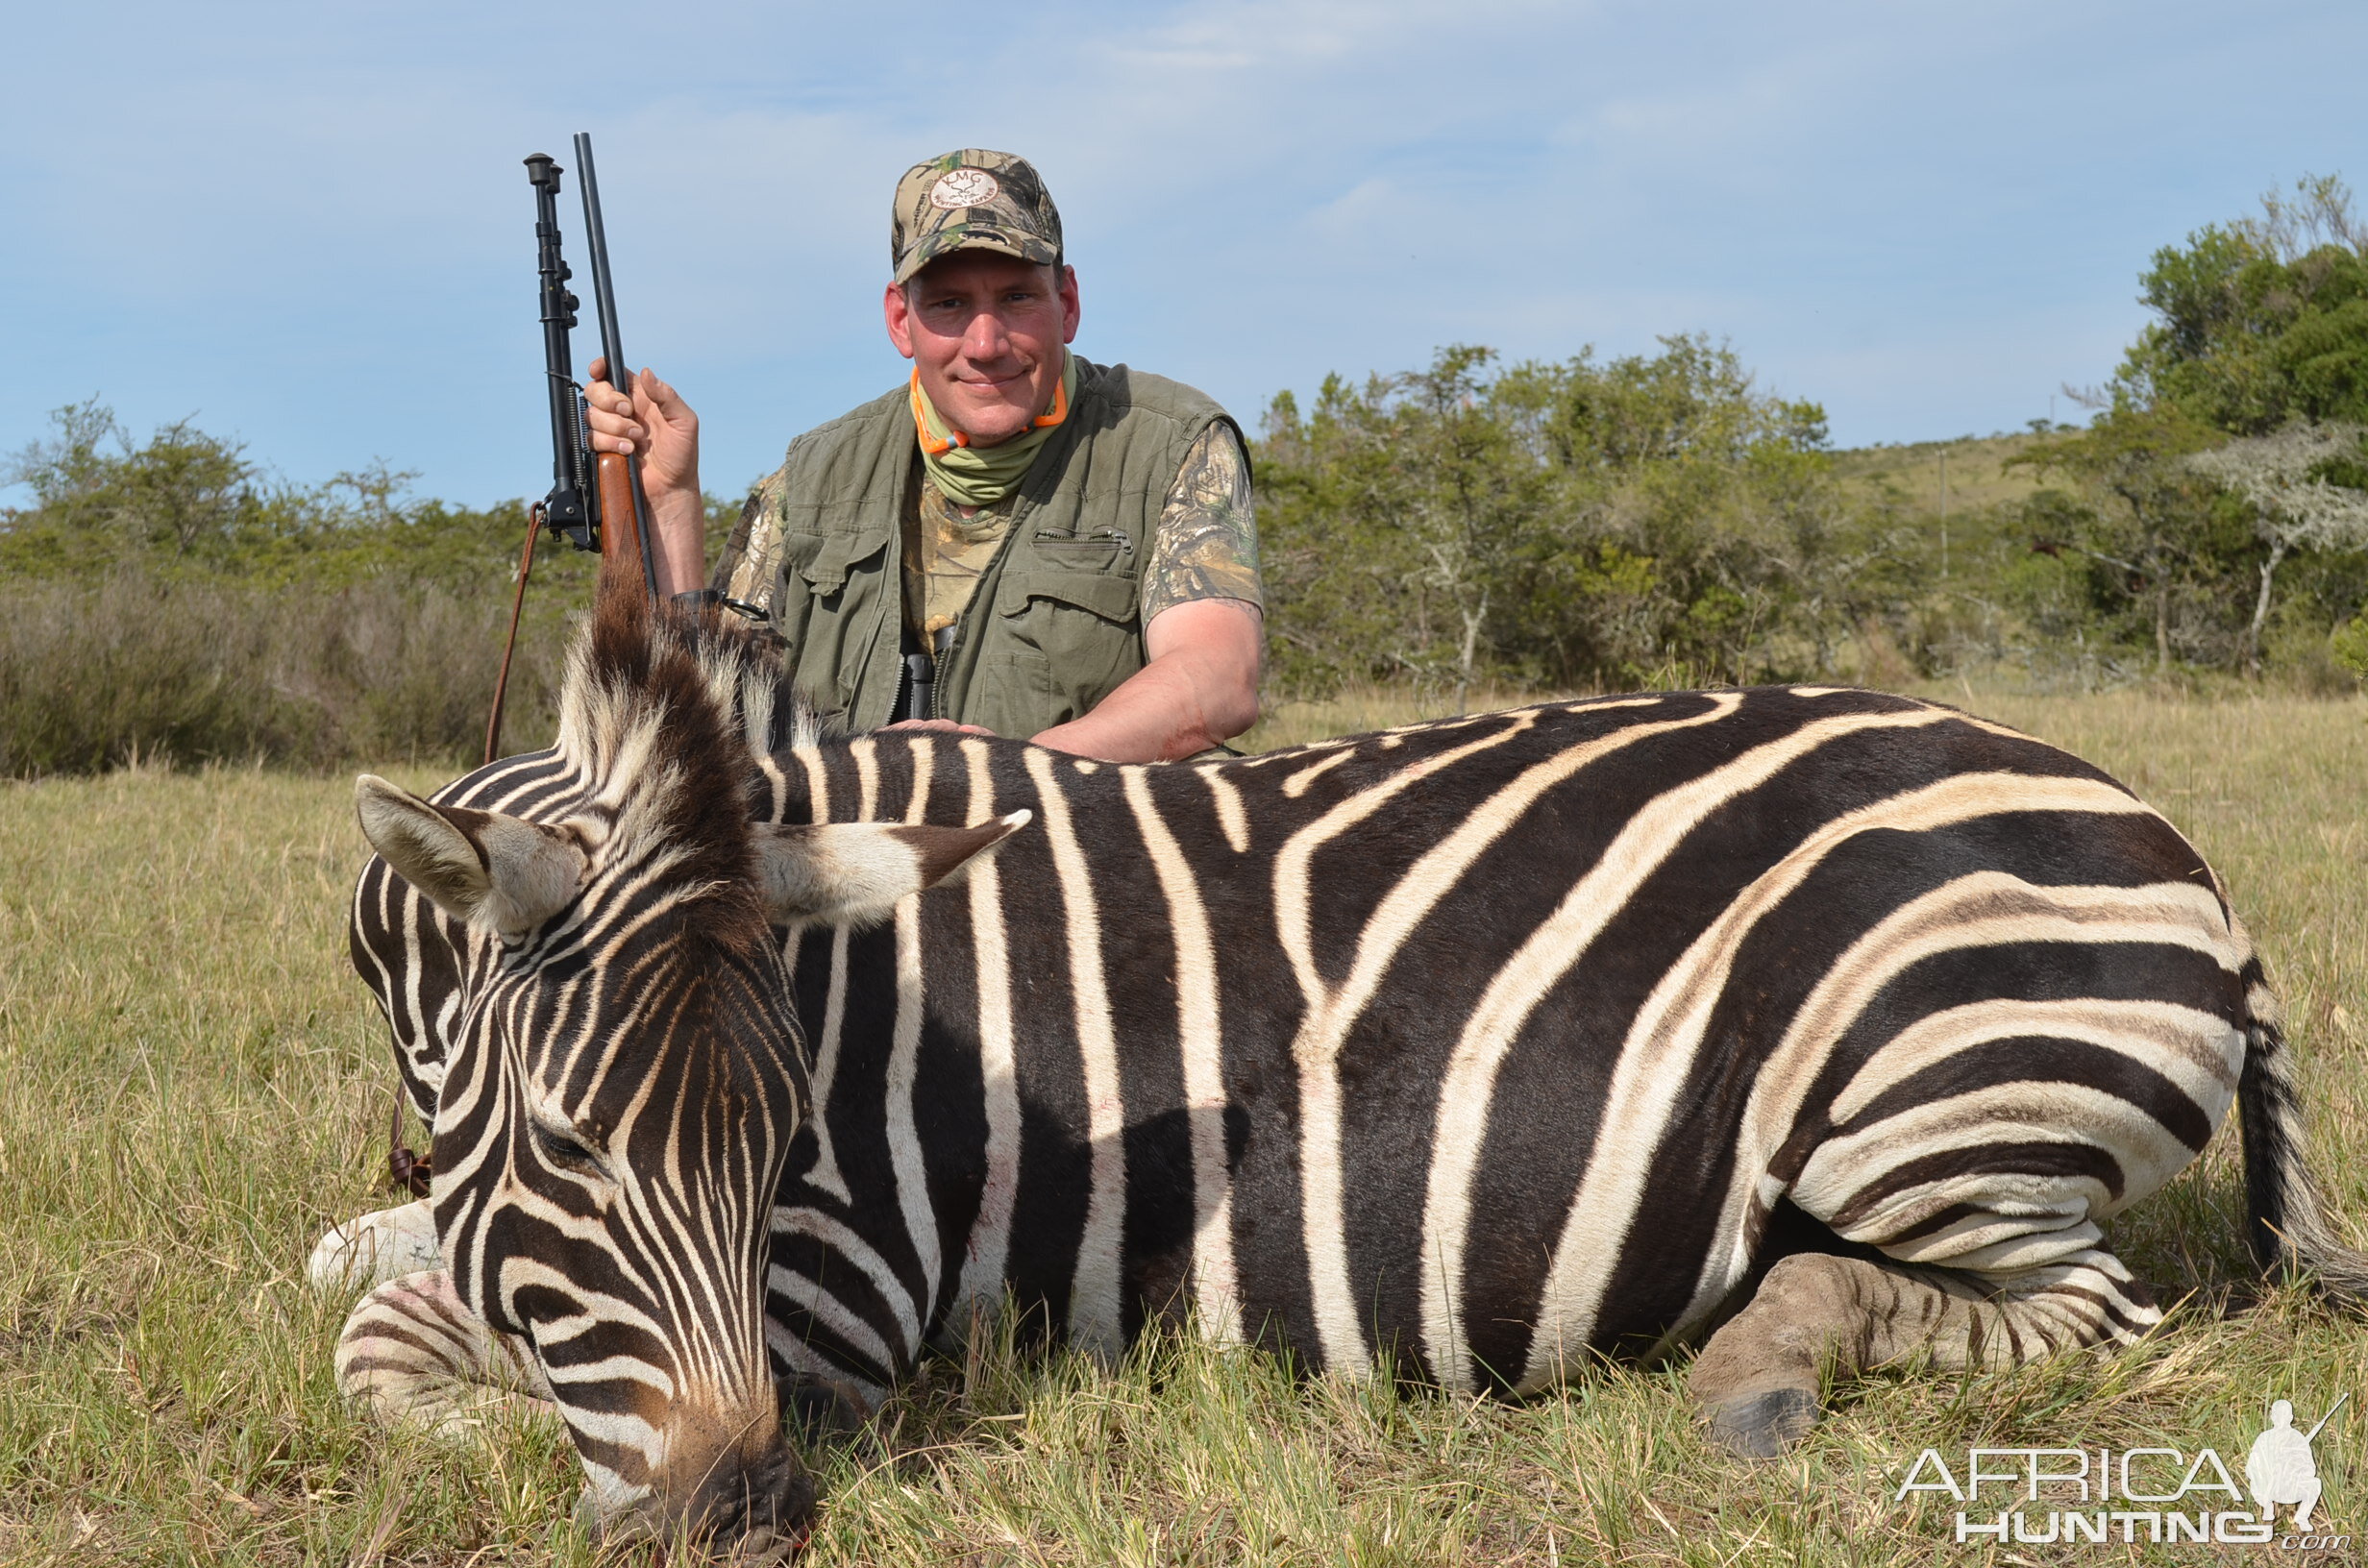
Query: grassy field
point(1973, 467)
point(192, 1086)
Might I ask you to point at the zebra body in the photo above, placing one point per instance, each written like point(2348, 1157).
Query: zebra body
point(1460, 1052)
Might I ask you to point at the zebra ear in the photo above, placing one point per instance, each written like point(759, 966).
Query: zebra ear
point(502, 874)
point(854, 873)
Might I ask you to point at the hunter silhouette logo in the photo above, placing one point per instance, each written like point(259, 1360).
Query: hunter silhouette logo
point(2280, 1470)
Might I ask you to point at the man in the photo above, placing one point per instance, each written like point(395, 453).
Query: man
point(1016, 542)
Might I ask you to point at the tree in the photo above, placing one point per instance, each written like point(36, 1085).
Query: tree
point(2281, 476)
point(1472, 490)
point(184, 504)
point(181, 493)
point(1575, 522)
point(2136, 456)
point(2260, 321)
point(2260, 334)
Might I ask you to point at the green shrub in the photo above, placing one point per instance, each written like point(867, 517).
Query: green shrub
point(139, 668)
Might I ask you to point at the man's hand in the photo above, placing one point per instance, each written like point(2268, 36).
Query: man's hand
point(1201, 687)
point(656, 423)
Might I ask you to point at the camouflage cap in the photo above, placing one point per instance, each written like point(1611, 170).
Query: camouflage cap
point(972, 200)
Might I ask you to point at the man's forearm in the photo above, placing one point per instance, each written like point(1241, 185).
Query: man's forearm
point(1153, 717)
point(1175, 706)
point(680, 520)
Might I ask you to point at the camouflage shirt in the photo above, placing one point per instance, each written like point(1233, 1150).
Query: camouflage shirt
point(1205, 546)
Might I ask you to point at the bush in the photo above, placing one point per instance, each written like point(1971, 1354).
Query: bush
point(139, 667)
point(169, 599)
point(1583, 525)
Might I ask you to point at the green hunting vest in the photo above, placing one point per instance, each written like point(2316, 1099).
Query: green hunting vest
point(1054, 626)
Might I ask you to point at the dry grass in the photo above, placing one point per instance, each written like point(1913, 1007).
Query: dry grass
point(1976, 473)
point(192, 1085)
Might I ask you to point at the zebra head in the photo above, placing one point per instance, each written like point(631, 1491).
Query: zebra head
point(622, 1087)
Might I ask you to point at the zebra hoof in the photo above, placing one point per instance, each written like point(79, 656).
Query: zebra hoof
point(1763, 1425)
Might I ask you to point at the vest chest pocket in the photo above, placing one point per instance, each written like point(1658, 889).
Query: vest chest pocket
point(823, 559)
point(1110, 598)
point(1098, 554)
point(825, 611)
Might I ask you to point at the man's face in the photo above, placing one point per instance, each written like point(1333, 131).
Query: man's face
point(985, 331)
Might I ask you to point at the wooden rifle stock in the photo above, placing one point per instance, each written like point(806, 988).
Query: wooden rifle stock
point(621, 549)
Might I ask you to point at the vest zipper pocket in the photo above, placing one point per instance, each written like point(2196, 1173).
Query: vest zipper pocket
point(1110, 551)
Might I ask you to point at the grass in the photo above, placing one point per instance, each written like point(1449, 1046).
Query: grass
point(1977, 475)
point(192, 1086)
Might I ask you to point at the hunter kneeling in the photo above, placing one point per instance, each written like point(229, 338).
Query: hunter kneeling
point(1071, 544)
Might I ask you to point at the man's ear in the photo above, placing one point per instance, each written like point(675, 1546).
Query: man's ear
point(897, 310)
point(854, 873)
point(500, 873)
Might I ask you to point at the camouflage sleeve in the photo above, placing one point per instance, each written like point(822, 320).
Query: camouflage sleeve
point(1207, 543)
point(750, 566)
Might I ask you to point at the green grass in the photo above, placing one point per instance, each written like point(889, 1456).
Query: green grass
point(192, 1085)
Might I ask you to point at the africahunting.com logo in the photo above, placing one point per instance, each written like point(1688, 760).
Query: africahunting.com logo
point(2161, 1496)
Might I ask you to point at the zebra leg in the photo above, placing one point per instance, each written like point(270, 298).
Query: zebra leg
point(820, 1408)
point(375, 1248)
point(415, 1353)
point(1759, 1375)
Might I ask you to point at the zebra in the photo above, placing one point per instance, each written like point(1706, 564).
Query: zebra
point(618, 1083)
point(1798, 1024)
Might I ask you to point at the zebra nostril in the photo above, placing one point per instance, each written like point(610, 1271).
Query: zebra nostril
point(767, 1502)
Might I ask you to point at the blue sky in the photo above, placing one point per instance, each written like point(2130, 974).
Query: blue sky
point(308, 227)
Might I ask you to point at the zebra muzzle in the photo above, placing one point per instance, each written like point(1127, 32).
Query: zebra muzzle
point(761, 1509)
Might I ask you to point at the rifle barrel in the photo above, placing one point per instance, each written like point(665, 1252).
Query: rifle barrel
point(612, 345)
point(596, 235)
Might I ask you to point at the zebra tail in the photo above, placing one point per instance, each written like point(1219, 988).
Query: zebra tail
point(2286, 1221)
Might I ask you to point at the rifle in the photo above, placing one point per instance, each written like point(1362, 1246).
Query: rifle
point(592, 494)
point(587, 490)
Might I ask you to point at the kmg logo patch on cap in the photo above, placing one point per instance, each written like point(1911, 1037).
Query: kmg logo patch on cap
point(963, 187)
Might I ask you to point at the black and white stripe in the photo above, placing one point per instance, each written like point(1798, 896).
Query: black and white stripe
point(1463, 992)
point(1463, 1051)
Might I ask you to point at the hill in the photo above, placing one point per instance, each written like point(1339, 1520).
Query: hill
point(1960, 476)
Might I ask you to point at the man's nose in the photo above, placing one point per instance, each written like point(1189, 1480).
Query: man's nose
point(985, 338)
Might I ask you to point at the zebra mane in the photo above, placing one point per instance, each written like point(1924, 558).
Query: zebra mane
point(663, 714)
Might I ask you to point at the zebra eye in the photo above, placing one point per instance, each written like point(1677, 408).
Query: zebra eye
point(564, 1148)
